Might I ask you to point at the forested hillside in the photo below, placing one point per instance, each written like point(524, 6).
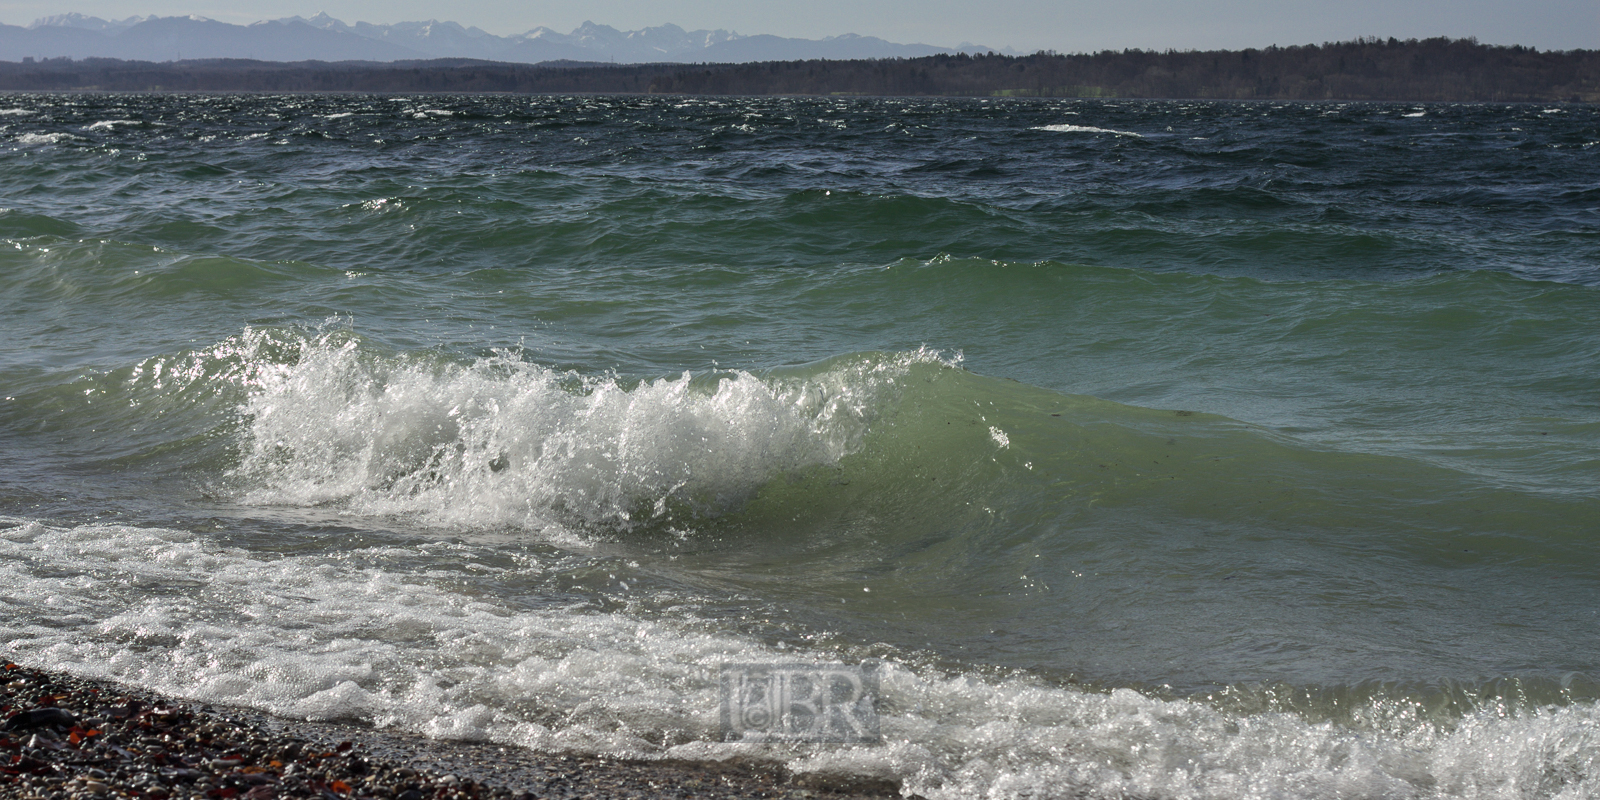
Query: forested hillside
point(1369, 69)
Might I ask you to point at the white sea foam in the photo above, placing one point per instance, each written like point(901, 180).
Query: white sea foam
point(366, 634)
point(340, 115)
point(45, 138)
point(16, 112)
point(1064, 128)
point(999, 436)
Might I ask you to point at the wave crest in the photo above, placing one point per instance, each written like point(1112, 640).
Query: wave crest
point(501, 441)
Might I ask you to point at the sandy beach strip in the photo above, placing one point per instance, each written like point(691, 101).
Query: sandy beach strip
point(65, 738)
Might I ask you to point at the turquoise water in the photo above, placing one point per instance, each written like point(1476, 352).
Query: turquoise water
point(1158, 448)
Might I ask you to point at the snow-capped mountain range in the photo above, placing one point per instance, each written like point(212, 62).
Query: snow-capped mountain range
point(323, 38)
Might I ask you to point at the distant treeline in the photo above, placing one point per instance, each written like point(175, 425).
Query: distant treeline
point(1452, 70)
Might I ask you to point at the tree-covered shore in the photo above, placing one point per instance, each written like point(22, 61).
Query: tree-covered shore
point(1432, 70)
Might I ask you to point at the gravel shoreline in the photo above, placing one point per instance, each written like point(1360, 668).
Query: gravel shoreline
point(66, 738)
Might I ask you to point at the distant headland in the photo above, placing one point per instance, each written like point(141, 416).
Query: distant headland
point(1430, 70)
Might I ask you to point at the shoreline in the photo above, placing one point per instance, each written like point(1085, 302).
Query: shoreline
point(64, 737)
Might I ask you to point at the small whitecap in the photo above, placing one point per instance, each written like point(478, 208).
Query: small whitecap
point(110, 124)
point(1085, 129)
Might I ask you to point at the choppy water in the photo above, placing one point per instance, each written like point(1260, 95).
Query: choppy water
point(1160, 449)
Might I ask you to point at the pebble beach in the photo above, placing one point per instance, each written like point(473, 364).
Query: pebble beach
point(65, 737)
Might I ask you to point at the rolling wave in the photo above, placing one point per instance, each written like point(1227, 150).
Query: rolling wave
point(875, 485)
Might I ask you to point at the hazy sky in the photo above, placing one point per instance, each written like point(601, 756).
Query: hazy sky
point(1064, 25)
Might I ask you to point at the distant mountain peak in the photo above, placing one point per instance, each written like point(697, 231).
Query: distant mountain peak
point(324, 21)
